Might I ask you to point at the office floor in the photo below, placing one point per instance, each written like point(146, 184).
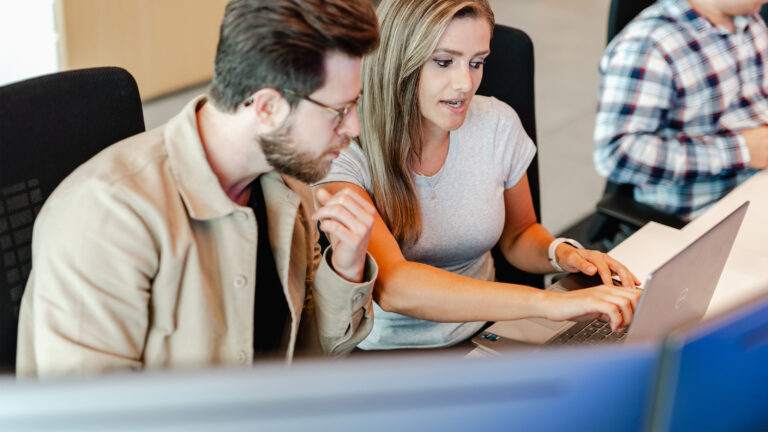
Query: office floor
point(568, 39)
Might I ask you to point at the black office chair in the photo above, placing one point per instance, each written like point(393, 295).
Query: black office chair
point(48, 126)
point(618, 214)
point(508, 76)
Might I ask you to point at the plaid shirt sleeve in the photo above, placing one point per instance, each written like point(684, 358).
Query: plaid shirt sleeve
point(638, 138)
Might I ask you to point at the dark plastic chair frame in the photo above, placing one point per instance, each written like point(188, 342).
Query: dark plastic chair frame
point(48, 126)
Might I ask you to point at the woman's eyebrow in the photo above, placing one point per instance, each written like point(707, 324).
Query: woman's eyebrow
point(459, 53)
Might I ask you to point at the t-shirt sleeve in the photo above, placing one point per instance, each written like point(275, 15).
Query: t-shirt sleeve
point(349, 167)
point(515, 148)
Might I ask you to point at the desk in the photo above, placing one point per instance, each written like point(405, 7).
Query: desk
point(745, 274)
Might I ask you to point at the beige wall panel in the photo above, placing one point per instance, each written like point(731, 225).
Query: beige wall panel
point(166, 45)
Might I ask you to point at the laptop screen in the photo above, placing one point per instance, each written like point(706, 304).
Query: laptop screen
point(680, 289)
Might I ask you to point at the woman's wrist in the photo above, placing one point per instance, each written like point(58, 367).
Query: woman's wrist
point(554, 257)
point(551, 303)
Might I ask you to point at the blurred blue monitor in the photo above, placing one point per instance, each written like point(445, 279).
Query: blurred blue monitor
point(714, 375)
point(592, 389)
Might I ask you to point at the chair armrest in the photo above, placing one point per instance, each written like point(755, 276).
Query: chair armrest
point(628, 211)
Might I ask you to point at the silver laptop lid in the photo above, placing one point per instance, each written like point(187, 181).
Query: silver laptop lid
point(680, 290)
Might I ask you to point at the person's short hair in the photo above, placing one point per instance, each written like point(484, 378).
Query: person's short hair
point(282, 44)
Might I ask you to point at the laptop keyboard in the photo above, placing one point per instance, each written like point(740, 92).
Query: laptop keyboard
point(588, 332)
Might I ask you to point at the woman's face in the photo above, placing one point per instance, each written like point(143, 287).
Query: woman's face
point(452, 74)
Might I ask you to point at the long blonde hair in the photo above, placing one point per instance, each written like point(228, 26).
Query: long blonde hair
point(389, 112)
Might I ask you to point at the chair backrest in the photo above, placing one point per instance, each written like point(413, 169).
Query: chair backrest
point(622, 12)
point(48, 126)
point(764, 12)
point(508, 76)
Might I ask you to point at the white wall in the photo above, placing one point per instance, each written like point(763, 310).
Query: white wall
point(28, 39)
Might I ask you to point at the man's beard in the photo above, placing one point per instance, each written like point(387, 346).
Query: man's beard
point(279, 152)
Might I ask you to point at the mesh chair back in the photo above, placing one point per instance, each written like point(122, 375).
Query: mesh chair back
point(48, 126)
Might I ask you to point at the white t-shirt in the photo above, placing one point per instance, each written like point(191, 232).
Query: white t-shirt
point(462, 211)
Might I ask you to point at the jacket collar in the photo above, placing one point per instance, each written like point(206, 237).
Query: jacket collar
point(197, 184)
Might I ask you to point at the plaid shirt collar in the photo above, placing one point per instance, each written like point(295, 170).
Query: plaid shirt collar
point(701, 23)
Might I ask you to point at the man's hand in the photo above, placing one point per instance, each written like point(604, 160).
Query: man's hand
point(347, 220)
point(757, 142)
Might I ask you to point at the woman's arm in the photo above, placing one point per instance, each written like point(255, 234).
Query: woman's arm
point(426, 292)
point(525, 243)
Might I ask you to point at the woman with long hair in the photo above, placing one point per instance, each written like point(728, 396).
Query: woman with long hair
point(446, 171)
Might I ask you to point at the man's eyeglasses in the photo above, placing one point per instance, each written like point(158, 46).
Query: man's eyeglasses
point(339, 114)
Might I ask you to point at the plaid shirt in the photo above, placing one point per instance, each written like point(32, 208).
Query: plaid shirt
point(675, 90)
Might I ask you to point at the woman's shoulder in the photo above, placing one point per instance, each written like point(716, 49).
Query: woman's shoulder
point(487, 110)
point(350, 166)
point(353, 154)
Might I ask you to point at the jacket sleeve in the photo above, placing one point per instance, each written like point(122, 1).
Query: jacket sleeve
point(85, 306)
point(337, 314)
point(635, 140)
point(343, 311)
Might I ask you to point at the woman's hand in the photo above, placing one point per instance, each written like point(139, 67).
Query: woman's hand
point(613, 304)
point(590, 262)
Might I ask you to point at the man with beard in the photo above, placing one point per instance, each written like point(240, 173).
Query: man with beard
point(195, 244)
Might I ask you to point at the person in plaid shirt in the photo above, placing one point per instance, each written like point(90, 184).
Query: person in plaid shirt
point(683, 103)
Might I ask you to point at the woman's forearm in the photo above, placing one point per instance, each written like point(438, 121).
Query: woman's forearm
point(427, 292)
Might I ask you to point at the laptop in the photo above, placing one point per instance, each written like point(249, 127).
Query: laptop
point(677, 292)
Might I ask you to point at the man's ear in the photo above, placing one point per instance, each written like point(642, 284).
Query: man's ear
point(269, 108)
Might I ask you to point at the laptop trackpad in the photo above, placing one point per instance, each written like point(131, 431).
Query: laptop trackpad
point(531, 330)
point(554, 325)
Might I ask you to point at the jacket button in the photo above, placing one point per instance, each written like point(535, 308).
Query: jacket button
point(357, 298)
point(242, 216)
point(240, 281)
point(242, 357)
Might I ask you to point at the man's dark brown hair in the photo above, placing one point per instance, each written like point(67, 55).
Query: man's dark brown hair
point(281, 44)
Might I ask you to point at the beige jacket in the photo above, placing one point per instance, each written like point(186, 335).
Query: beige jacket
point(140, 260)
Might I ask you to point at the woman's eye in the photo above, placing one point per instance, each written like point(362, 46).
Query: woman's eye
point(477, 64)
point(443, 63)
